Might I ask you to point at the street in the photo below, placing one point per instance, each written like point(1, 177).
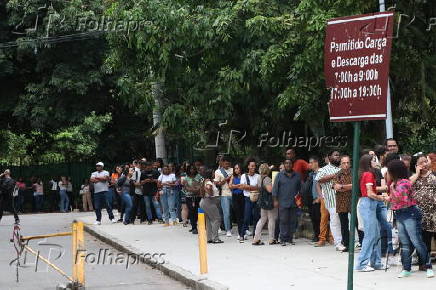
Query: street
point(98, 275)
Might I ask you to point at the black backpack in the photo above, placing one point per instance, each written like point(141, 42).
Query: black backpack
point(306, 191)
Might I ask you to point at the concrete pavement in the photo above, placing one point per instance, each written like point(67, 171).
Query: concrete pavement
point(243, 266)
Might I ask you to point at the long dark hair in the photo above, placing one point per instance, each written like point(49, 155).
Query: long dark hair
point(188, 170)
point(398, 170)
point(365, 165)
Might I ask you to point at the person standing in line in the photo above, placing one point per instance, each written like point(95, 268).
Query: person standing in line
point(315, 207)
point(70, 194)
point(268, 212)
point(192, 187)
point(114, 191)
point(167, 181)
point(138, 197)
point(342, 184)
point(424, 185)
point(100, 179)
point(184, 208)
point(250, 183)
point(287, 185)
point(324, 177)
point(85, 192)
point(64, 203)
point(124, 183)
point(210, 203)
point(54, 193)
point(370, 255)
point(149, 181)
point(299, 165)
point(222, 179)
point(7, 186)
point(19, 200)
point(409, 219)
point(391, 146)
point(38, 194)
point(238, 200)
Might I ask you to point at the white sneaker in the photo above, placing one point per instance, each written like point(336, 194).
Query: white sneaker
point(220, 231)
point(367, 268)
point(97, 223)
point(229, 234)
point(114, 221)
point(340, 248)
point(245, 237)
point(430, 273)
point(248, 233)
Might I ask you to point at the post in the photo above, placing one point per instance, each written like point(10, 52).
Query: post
point(388, 122)
point(78, 244)
point(202, 241)
point(355, 190)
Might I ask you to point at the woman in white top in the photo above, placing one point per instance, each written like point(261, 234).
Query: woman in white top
point(210, 204)
point(167, 181)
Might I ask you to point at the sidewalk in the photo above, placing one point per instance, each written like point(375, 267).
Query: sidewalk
point(243, 266)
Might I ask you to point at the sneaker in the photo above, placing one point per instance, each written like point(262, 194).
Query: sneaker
point(382, 267)
point(245, 237)
point(220, 231)
point(367, 268)
point(120, 220)
point(248, 233)
point(114, 221)
point(97, 223)
point(241, 241)
point(430, 273)
point(194, 232)
point(229, 234)
point(161, 221)
point(150, 222)
point(340, 248)
point(404, 274)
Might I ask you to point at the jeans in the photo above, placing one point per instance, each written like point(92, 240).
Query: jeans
point(410, 234)
point(226, 203)
point(38, 199)
point(100, 201)
point(64, 204)
point(248, 212)
point(148, 199)
point(370, 253)
point(210, 205)
point(128, 204)
point(168, 200)
point(315, 217)
point(385, 228)
point(109, 195)
point(138, 204)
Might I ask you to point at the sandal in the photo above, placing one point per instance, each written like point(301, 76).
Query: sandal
point(218, 241)
point(258, 243)
point(273, 242)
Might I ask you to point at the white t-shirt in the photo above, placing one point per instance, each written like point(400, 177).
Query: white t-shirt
point(100, 186)
point(167, 178)
point(219, 177)
point(62, 186)
point(254, 181)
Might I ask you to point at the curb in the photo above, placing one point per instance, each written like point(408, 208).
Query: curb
point(177, 273)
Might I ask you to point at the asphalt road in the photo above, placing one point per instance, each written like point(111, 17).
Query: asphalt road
point(98, 275)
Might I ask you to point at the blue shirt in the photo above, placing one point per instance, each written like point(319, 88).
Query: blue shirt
point(237, 180)
point(314, 183)
point(286, 187)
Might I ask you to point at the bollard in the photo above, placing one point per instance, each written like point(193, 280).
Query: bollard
point(78, 244)
point(202, 241)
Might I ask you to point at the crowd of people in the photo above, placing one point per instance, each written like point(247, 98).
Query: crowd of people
point(395, 191)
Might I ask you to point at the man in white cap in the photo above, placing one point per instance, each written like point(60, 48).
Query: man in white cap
point(100, 178)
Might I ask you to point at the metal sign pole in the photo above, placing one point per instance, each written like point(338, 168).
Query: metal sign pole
point(355, 191)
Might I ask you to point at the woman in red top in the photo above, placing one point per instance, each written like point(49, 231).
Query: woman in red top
point(370, 255)
point(409, 218)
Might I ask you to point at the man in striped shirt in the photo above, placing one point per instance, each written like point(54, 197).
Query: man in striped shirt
point(325, 178)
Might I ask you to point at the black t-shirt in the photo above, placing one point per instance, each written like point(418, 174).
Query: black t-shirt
point(149, 188)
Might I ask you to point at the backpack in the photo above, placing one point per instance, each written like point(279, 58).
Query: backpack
point(265, 198)
point(306, 191)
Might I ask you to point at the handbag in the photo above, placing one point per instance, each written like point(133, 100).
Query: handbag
point(254, 195)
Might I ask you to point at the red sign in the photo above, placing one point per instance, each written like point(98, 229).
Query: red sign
point(357, 52)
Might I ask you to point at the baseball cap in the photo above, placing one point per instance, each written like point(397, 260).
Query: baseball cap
point(100, 164)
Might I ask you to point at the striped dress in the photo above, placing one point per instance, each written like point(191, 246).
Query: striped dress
point(327, 191)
